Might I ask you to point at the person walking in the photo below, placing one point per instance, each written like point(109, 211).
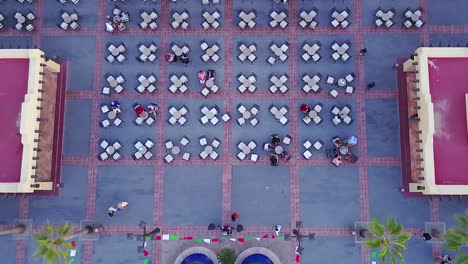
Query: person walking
point(112, 211)
point(371, 85)
point(234, 216)
point(363, 51)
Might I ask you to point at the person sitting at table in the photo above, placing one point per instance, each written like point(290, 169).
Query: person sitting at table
point(153, 109)
point(171, 57)
point(337, 160)
point(115, 104)
point(269, 147)
point(184, 58)
point(275, 140)
point(337, 143)
point(210, 74)
point(140, 111)
point(274, 159)
point(351, 141)
point(285, 156)
point(202, 77)
point(305, 108)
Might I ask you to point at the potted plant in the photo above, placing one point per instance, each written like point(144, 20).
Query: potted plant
point(389, 238)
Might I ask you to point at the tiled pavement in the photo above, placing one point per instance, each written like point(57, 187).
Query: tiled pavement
point(184, 197)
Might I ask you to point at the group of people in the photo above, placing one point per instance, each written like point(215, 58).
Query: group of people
point(204, 76)
point(342, 151)
point(118, 21)
point(172, 57)
point(145, 113)
point(120, 205)
point(274, 156)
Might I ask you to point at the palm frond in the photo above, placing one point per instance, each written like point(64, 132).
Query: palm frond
point(376, 227)
point(461, 258)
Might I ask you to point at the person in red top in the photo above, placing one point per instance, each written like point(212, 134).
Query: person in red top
point(234, 217)
point(304, 108)
point(139, 110)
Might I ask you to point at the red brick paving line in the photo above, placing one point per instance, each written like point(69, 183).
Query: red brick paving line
point(232, 160)
point(88, 248)
point(261, 31)
point(425, 19)
point(21, 244)
point(361, 116)
point(191, 94)
point(228, 95)
point(36, 37)
point(160, 166)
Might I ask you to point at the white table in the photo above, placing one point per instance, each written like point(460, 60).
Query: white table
point(278, 150)
point(246, 150)
point(246, 114)
point(177, 114)
point(175, 150)
point(110, 150)
point(208, 149)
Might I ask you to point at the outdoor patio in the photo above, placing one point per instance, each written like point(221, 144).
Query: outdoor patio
point(183, 194)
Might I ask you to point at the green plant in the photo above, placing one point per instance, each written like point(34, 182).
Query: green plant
point(227, 256)
point(458, 238)
point(53, 244)
point(389, 238)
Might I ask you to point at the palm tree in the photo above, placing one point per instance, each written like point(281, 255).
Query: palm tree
point(53, 244)
point(15, 230)
point(390, 238)
point(458, 238)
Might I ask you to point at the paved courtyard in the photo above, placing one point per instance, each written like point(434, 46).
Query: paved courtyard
point(184, 197)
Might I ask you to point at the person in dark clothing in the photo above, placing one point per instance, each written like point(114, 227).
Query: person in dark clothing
point(371, 85)
point(275, 140)
point(427, 236)
point(274, 160)
point(210, 74)
point(184, 58)
point(234, 217)
point(363, 51)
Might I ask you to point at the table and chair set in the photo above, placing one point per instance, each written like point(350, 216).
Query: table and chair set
point(111, 116)
point(149, 20)
point(278, 19)
point(209, 148)
point(341, 115)
point(247, 19)
point(110, 149)
point(413, 18)
point(344, 83)
point(209, 115)
point(340, 51)
point(248, 115)
point(279, 113)
point(311, 83)
point(246, 150)
point(307, 19)
point(23, 21)
point(147, 83)
point(174, 149)
point(114, 82)
point(279, 52)
point(211, 19)
point(180, 19)
point(143, 150)
point(116, 53)
point(313, 115)
point(247, 83)
point(277, 149)
point(311, 51)
point(278, 83)
point(340, 18)
point(210, 52)
point(147, 52)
